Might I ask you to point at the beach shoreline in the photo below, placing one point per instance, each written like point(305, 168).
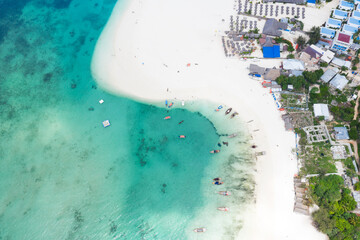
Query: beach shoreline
point(186, 62)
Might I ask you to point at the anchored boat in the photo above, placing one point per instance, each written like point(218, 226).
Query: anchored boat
point(167, 117)
point(228, 111)
point(214, 151)
point(223, 209)
point(200, 230)
point(225, 193)
point(182, 136)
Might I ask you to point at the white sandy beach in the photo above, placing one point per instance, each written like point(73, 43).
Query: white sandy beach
point(143, 53)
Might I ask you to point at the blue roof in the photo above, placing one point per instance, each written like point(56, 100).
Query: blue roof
point(346, 4)
point(271, 52)
point(340, 13)
point(335, 22)
point(341, 133)
point(313, 1)
point(327, 31)
point(356, 13)
point(349, 28)
point(354, 21)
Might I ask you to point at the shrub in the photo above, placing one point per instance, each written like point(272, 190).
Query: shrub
point(324, 64)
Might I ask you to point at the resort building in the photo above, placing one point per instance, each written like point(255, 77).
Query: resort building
point(327, 32)
point(347, 6)
point(339, 62)
point(338, 14)
point(255, 69)
point(354, 22)
point(293, 64)
point(339, 82)
point(324, 42)
point(329, 74)
point(356, 14)
point(272, 27)
point(349, 29)
point(333, 23)
point(270, 50)
point(272, 74)
point(342, 42)
point(320, 110)
point(311, 2)
point(341, 133)
point(327, 56)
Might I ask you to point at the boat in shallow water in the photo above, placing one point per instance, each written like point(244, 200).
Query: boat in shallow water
point(182, 136)
point(200, 230)
point(225, 193)
point(223, 209)
point(228, 111)
point(214, 151)
point(167, 117)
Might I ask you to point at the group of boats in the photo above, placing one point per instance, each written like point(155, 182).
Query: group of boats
point(223, 209)
point(217, 181)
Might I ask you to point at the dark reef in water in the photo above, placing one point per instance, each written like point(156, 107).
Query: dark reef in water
point(59, 4)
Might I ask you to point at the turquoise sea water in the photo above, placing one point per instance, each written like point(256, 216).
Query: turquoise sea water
point(64, 176)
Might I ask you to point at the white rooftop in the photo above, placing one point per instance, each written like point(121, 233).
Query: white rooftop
point(327, 56)
point(321, 110)
point(339, 81)
point(293, 64)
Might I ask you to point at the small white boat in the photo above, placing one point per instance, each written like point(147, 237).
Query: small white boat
point(225, 193)
point(223, 209)
point(182, 103)
point(200, 230)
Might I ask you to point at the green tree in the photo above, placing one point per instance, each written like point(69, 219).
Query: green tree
point(301, 42)
point(357, 186)
point(343, 68)
point(314, 35)
point(324, 64)
point(290, 56)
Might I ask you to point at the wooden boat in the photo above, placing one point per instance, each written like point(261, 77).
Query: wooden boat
point(225, 193)
point(182, 136)
point(232, 135)
point(223, 209)
point(234, 114)
point(228, 111)
point(217, 179)
point(214, 151)
point(200, 230)
point(218, 183)
point(167, 117)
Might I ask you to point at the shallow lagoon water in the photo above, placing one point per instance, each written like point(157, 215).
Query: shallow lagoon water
point(64, 176)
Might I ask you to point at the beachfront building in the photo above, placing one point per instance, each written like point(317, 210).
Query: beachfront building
point(349, 29)
point(272, 27)
point(341, 133)
point(327, 32)
point(338, 14)
point(272, 74)
point(339, 82)
point(321, 110)
point(327, 56)
point(342, 41)
point(329, 74)
point(333, 23)
point(311, 2)
point(293, 64)
point(345, 5)
point(325, 42)
point(340, 62)
point(255, 69)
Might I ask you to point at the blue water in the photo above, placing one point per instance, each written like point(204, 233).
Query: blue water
point(64, 176)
